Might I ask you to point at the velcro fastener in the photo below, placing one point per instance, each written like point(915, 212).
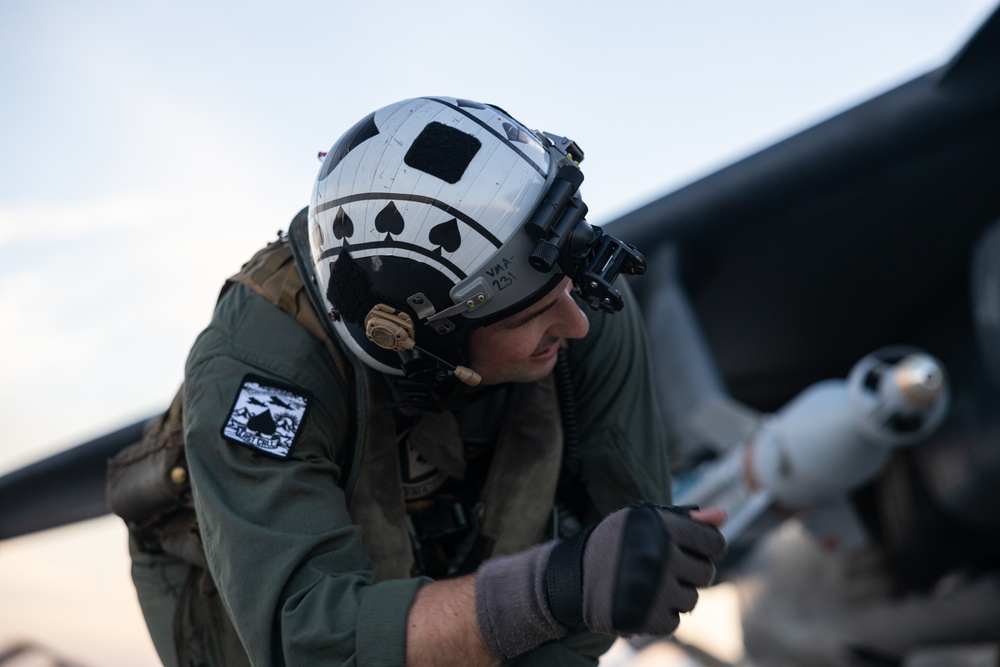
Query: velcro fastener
point(564, 580)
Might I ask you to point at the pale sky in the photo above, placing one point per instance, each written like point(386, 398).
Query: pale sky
point(148, 148)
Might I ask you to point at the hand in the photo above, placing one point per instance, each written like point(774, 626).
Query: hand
point(713, 515)
point(641, 567)
point(634, 572)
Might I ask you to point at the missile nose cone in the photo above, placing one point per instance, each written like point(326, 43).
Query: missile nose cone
point(920, 379)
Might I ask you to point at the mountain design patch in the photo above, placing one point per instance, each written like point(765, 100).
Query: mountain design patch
point(267, 415)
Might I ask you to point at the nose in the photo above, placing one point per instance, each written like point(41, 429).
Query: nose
point(568, 321)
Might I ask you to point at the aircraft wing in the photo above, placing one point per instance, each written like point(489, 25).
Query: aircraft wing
point(62, 489)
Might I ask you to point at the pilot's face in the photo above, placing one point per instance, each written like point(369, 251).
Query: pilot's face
point(523, 347)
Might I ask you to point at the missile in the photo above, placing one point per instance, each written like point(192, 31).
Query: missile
point(830, 439)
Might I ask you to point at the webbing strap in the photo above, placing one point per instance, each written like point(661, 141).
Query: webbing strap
point(272, 274)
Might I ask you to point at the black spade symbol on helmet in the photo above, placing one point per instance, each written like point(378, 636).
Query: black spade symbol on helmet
point(389, 221)
point(342, 224)
point(446, 235)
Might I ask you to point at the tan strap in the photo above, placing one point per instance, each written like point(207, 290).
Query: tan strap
point(272, 274)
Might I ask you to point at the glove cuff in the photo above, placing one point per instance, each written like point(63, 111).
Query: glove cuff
point(512, 606)
point(564, 580)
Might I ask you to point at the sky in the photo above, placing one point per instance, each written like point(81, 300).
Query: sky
point(148, 149)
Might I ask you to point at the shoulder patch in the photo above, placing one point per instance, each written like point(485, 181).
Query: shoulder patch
point(267, 415)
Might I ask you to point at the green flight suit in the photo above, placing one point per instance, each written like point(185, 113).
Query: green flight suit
point(286, 558)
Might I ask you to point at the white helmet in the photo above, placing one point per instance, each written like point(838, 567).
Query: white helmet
point(434, 215)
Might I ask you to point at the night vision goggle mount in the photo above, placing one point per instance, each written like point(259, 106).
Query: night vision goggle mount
point(591, 258)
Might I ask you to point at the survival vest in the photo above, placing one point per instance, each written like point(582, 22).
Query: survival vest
point(148, 484)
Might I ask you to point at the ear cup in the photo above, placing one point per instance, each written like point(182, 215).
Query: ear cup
point(389, 329)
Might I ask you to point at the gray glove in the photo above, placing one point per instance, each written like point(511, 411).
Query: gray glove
point(633, 573)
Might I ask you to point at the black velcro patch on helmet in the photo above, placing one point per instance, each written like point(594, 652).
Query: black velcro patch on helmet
point(350, 289)
point(442, 151)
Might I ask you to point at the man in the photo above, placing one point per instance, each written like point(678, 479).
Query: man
point(376, 446)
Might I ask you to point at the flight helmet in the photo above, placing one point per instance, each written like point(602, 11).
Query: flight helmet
point(436, 215)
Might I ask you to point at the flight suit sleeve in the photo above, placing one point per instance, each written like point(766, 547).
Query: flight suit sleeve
point(286, 558)
point(622, 438)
